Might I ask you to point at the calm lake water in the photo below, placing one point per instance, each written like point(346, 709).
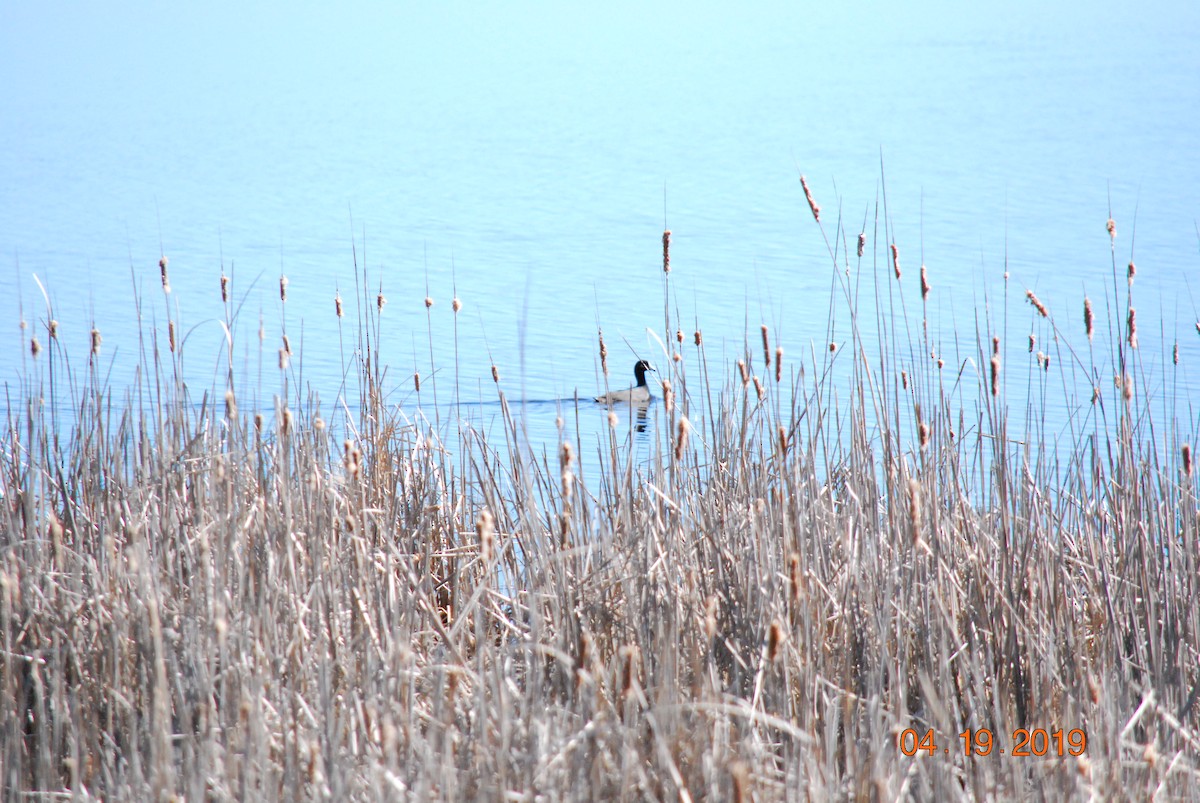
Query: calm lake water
point(525, 160)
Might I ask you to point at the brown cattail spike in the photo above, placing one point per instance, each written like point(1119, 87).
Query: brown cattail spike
point(1038, 305)
point(171, 335)
point(896, 261)
point(224, 289)
point(417, 382)
point(495, 374)
point(337, 304)
point(1133, 340)
point(380, 300)
point(52, 327)
point(816, 210)
point(741, 364)
point(1111, 225)
point(995, 375)
point(283, 284)
point(995, 344)
point(1186, 453)
point(428, 302)
point(1130, 273)
point(162, 269)
point(775, 637)
point(96, 341)
point(924, 284)
point(778, 364)
point(681, 437)
point(666, 241)
point(1089, 320)
point(456, 305)
point(1032, 342)
point(35, 348)
point(696, 338)
point(862, 243)
point(766, 346)
point(603, 353)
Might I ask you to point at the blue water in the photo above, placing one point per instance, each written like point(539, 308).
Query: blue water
point(526, 159)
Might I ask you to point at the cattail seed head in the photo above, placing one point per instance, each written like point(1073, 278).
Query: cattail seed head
point(759, 389)
point(612, 420)
point(1133, 339)
point(794, 578)
point(456, 305)
point(766, 340)
point(380, 300)
point(319, 424)
point(52, 327)
point(485, 527)
point(230, 405)
point(285, 421)
point(924, 284)
point(995, 375)
point(1089, 319)
point(171, 335)
point(631, 659)
point(417, 381)
point(1032, 342)
point(283, 284)
point(696, 338)
point(710, 617)
point(566, 455)
point(896, 261)
point(224, 289)
point(778, 364)
point(681, 436)
point(96, 341)
point(862, 243)
point(1038, 305)
point(287, 345)
point(781, 435)
point(995, 344)
point(816, 210)
point(1175, 354)
point(1185, 452)
point(1111, 225)
point(1130, 273)
point(1127, 388)
point(666, 241)
point(775, 637)
point(162, 270)
point(284, 359)
point(668, 395)
point(904, 379)
point(914, 507)
point(603, 353)
point(337, 304)
point(832, 348)
point(923, 435)
point(585, 657)
point(258, 422)
point(941, 363)
point(35, 348)
point(428, 302)
point(741, 364)
point(495, 374)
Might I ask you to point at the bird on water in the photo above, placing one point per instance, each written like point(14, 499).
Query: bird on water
point(638, 394)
